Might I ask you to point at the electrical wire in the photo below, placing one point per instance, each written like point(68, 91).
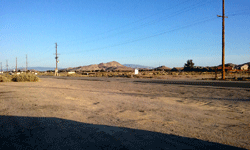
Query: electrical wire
point(186, 9)
point(150, 23)
point(147, 37)
point(139, 20)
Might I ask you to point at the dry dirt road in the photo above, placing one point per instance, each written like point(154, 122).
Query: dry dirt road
point(116, 113)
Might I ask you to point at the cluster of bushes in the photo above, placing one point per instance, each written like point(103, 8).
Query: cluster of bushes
point(142, 74)
point(19, 78)
point(5, 78)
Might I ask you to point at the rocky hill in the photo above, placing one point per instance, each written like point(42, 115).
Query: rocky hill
point(109, 66)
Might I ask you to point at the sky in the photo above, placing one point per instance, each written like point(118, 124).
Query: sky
point(145, 32)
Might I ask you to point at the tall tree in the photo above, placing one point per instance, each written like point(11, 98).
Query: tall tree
point(189, 66)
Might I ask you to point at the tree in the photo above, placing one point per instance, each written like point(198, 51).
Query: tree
point(189, 66)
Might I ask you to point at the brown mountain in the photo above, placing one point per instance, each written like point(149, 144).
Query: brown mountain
point(109, 66)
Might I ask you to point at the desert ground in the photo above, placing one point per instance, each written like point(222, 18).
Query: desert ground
point(165, 114)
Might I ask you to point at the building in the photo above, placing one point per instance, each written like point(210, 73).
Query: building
point(243, 67)
point(226, 68)
point(229, 66)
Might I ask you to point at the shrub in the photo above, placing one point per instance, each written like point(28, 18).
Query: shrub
point(24, 78)
point(5, 78)
point(174, 73)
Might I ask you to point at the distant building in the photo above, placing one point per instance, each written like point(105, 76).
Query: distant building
point(136, 71)
point(226, 68)
point(233, 66)
point(72, 72)
point(242, 67)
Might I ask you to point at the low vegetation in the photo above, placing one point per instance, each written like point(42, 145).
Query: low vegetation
point(19, 78)
point(205, 75)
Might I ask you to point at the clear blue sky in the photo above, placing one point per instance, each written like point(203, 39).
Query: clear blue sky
point(145, 32)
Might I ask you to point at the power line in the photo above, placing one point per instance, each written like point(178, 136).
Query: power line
point(26, 63)
point(139, 20)
point(7, 65)
point(56, 70)
point(150, 54)
point(189, 8)
point(158, 34)
point(241, 12)
point(16, 64)
point(147, 17)
point(151, 22)
point(46, 50)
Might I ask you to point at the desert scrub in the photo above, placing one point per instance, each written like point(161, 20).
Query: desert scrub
point(25, 78)
point(5, 78)
point(175, 73)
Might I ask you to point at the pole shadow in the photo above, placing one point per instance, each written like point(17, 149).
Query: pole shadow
point(54, 133)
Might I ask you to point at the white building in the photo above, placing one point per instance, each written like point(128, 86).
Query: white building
point(243, 67)
point(136, 71)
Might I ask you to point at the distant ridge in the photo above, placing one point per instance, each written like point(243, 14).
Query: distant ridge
point(137, 66)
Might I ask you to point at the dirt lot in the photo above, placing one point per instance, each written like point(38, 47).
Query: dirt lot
point(208, 113)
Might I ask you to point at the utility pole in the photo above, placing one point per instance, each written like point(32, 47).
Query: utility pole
point(26, 64)
point(7, 65)
point(56, 70)
point(223, 38)
point(16, 64)
point(1, 68)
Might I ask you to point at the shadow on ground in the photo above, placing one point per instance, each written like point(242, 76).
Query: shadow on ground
point(53, 133)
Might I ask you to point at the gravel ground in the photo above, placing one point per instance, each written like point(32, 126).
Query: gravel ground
point(212, 115)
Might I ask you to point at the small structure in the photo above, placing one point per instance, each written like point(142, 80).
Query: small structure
point(72, 72)
point(226, 68)
point(136, 71)
point(56, 72)
point(89, 73)
point(242, 67)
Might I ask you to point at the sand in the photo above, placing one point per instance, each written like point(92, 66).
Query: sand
point(208, 113)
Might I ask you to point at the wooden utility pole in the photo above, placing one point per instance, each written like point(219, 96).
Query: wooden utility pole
point(7, 65)
point(1, 68)
point(223, 38)
point(16, 64)
point(56, 70)
point(26, 64)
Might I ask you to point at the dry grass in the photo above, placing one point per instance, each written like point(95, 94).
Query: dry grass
point(19, 78)
point(5, 78)
point(156, 74)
